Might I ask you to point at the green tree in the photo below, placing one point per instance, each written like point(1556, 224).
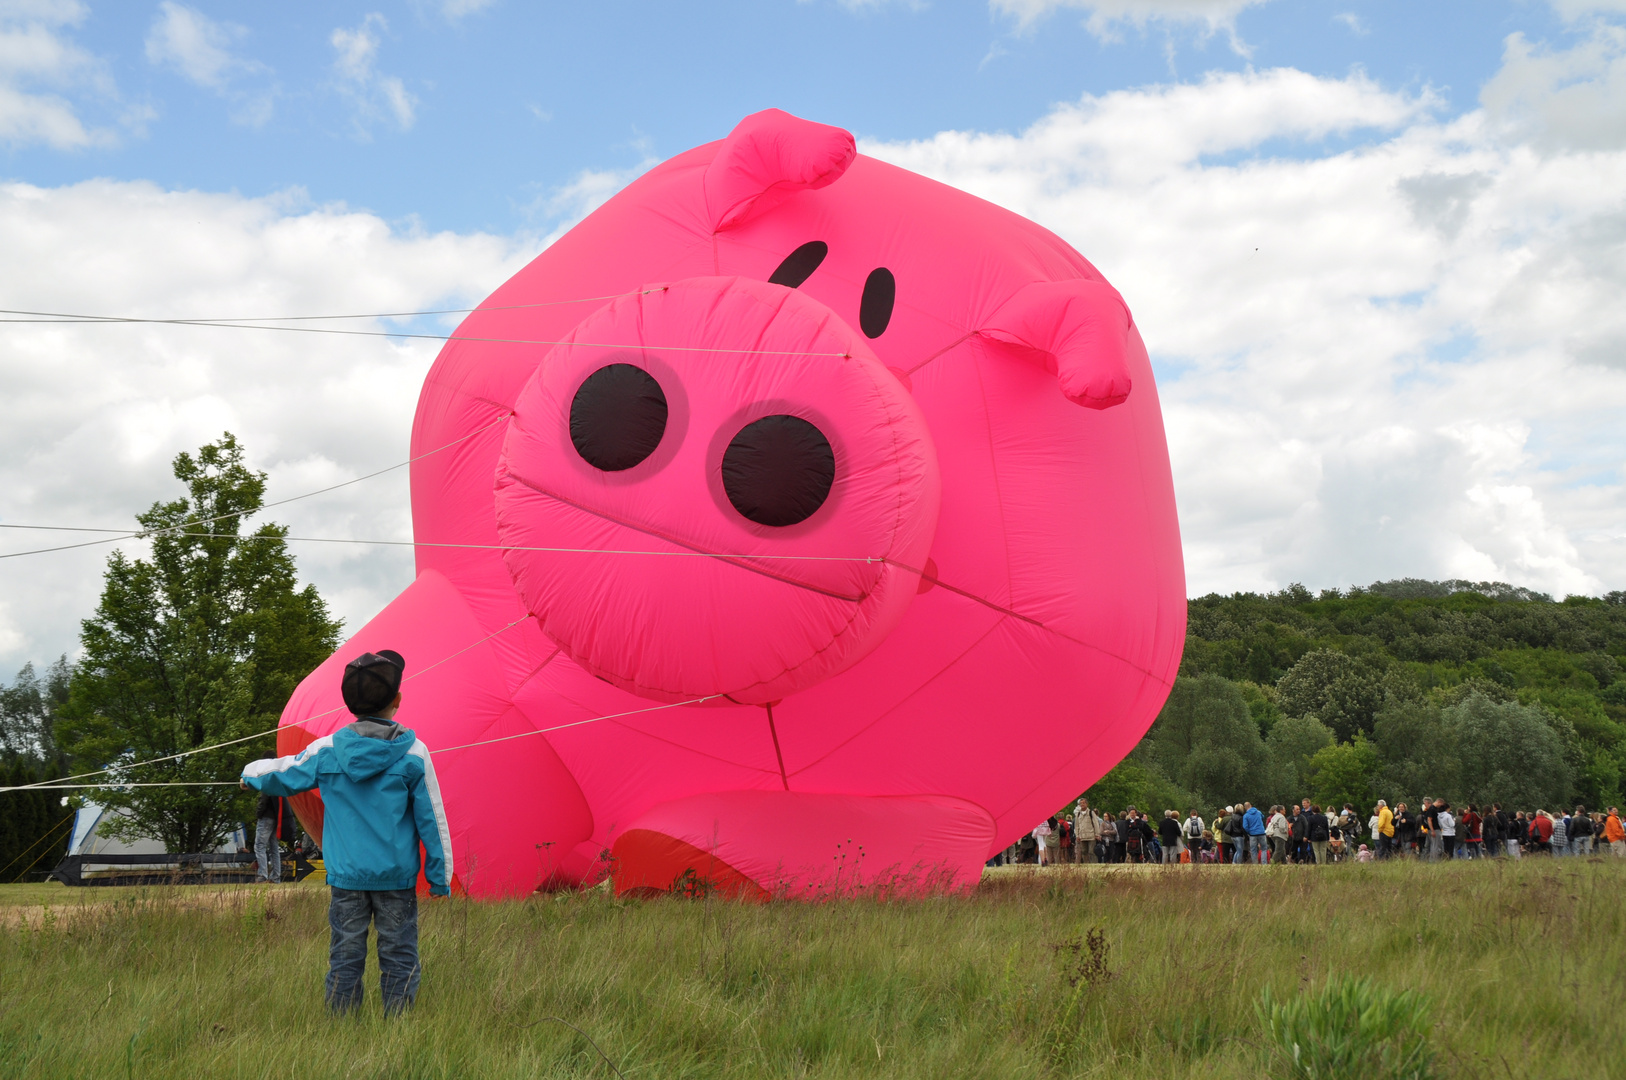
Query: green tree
point(1207, 742)
point(199, 644)
point(1510, 754)
point(1132, 783)
point(1419, 751)
point(1342, 692)
point(28, 711)
point(1293, 742)
point(1344, 773)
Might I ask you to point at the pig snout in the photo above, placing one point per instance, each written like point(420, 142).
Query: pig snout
point(714, 489)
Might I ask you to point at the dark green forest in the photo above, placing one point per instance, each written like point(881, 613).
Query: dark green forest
point(1472, 692)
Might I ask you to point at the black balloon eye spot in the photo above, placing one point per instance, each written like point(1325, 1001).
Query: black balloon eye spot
point(800, 264)
point(875, 308)
point(778, 470)
point(617, 417)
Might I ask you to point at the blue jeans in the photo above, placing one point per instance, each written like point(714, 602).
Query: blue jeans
point(267, 852)
point(395, 913)
point(1241, 845)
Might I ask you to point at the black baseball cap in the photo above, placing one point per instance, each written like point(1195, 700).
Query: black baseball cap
point(372, 680)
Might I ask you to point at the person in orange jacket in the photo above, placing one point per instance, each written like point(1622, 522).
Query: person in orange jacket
point(1615, 833)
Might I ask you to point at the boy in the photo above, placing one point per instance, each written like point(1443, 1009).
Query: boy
point(380, 801)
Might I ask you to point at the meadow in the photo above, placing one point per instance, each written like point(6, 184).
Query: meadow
point(1064, 972)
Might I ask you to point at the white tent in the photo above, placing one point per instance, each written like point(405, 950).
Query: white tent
point(88, 838)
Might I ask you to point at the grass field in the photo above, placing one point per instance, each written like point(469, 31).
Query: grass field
point(1067, 972)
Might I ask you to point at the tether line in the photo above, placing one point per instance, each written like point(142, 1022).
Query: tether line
point(146, 534)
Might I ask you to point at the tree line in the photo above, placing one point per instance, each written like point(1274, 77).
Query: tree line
point(1471, 691)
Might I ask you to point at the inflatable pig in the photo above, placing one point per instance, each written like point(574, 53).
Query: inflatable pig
point(793, 525)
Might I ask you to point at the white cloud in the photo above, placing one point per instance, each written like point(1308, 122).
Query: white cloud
point(41, 69)
point(1407, 357)
point(193, 44)
point(1577, 10)
point(198, 48)
point(1352, 22)
point(454, 10)
point(559, 209)
point(90, 417)
point(373, 94)
point(1571, 99)
point(1105, 17)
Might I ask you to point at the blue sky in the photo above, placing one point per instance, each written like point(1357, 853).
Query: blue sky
point(1376, 249)
point(509, 101)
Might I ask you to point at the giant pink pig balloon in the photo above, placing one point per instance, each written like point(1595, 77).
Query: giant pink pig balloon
point(845, 496)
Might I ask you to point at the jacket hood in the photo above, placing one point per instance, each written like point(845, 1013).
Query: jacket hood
point(363, 756)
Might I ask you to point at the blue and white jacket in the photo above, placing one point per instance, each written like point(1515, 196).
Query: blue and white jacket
point(379, 799)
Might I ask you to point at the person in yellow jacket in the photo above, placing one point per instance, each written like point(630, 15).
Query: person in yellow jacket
point(1386, 830)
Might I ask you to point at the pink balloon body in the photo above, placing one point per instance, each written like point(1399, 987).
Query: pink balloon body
point(793, 520)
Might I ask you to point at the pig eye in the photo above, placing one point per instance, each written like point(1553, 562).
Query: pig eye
point(800, 264)
point(617, 417)
point(875, 308)
point(778, 470)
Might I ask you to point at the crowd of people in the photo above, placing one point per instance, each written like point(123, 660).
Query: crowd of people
point(1307, 833)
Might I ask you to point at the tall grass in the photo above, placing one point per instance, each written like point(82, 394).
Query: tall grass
point(1155, 974)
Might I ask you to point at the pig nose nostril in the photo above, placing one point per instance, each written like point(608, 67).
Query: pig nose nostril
point(617, 417)
point(778, 470)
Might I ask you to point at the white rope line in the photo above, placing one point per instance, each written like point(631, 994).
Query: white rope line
point(120, 785)
point(579, 723)
point(743, 349)
point(471, 547)
point(75, 318)
point(584, 551)
point(58, 782)
point(145, 534)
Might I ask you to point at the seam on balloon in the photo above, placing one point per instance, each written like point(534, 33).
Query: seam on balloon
point(536, 670)
point(617, 722)
point(1033, 622)
point(731, 560)
point(778, 754)
point(993, 472)
point(956, 343)
point(897, 464)
point(1086, 748)
point(902, 702)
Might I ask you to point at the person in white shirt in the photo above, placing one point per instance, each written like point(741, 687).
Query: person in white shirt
point(1279, 833)
point(1191, 836)
point(1041, 836)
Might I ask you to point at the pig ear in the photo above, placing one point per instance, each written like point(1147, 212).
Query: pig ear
point(766, 157)
point(1078, 329)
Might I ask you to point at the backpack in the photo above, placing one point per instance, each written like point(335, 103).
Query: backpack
point(1194, 828)
point(1318, 828)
